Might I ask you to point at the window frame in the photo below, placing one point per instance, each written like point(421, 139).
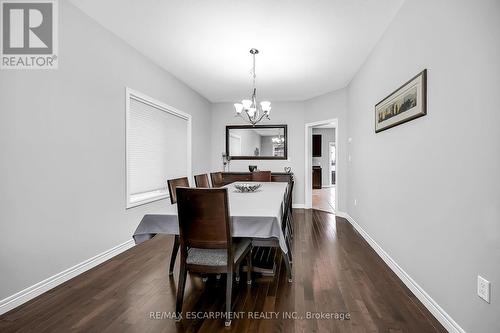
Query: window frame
point(160, 106)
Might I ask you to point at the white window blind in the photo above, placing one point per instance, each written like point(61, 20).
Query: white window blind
point(158, 148)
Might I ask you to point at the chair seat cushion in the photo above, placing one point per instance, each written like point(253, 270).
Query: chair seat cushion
point(216, 257)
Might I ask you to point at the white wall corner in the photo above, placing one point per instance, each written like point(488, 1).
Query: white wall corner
point(298, 205)
point(39, 288)
point(441, 315)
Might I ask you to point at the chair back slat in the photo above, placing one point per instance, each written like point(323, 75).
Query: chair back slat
point(173, 184)
point(216, 178)
point(204, 218)
point(201, 181)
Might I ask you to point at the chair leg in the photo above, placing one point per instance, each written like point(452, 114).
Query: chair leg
point(229, 289)
point(175, 249)
point(288, 266)
point(180, 291)
point(289, 245)
point(249, 267)
point(237, 273)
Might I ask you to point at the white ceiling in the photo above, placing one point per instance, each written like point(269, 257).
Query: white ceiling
point(307, 47)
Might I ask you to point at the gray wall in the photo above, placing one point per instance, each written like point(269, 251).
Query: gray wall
point(428, 191)
point(266, 144)
point(62, 146)
point(327, 136)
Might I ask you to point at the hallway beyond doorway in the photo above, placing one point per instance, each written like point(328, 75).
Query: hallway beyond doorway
point(324, 199)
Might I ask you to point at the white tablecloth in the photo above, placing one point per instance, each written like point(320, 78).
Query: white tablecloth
point(254, 215)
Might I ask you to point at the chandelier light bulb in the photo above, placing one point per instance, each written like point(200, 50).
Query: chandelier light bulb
point(238, 107)
point(266, 106)
point(246, 104)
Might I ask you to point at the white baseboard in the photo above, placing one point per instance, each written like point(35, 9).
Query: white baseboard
point(438, 312)
point(33, 291)
point(298, 206)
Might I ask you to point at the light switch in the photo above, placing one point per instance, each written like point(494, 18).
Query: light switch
point(483, 288)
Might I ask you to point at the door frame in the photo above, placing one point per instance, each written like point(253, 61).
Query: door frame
point(234, 136)
point(308, 160)
point(330, 144)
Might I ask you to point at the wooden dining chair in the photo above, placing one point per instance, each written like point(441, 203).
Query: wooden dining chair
point(206, 240)
point(172, 185)
point(201, 181)
point(216, 178)
point(261, 176)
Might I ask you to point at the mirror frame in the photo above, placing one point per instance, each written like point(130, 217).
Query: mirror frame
point(285, 131)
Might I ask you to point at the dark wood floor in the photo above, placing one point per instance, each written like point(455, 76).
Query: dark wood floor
point(335, 271)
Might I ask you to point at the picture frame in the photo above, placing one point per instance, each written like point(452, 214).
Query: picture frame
point(406, 103)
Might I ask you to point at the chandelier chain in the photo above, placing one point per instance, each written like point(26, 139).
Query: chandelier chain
point(249, 109)
point(253, 71)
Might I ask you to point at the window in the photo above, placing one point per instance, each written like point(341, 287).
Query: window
point(158, 147)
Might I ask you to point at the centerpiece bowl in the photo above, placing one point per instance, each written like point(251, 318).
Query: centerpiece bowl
point(247, 187)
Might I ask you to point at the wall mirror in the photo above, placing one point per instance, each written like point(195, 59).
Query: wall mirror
point(259, 142)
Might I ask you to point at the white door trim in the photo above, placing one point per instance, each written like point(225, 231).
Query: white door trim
point(330, 144)
point(308, 160)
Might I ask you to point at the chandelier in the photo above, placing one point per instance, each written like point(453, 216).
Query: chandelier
point(249, 109)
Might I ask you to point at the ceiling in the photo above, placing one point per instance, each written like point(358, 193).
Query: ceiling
point(307, 47)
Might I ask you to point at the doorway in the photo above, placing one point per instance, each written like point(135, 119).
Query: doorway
point(321, 165)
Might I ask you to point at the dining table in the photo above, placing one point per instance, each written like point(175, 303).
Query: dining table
point(257, 215)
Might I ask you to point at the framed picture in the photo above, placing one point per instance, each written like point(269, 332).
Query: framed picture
point(406, 103)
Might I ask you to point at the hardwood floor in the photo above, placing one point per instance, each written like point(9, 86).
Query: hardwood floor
point(324, 199)
point(335, 271)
